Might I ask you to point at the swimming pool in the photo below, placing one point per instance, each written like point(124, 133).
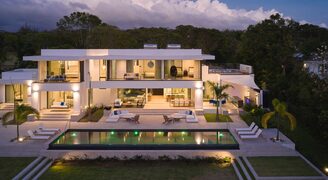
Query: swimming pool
point(145, 139)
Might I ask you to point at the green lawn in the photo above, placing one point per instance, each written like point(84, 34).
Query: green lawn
point(139, 170)
point(10, 166)
point(222, 118)
point(281, 166)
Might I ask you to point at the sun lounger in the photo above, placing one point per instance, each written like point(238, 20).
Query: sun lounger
point(246, 129)
point(48, 129)
point(253, 131)
point(39, 132)
point(31, 134)
point(253, 136)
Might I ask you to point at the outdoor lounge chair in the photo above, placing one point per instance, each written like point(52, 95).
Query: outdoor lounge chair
point(253, 131)
point(42, 128)
point(31, 134)
point(114, 116)
point(246, 129)
point(191, 117)
point(253, 136)
point(136, 119)
point(39, 132)
point(167, 119)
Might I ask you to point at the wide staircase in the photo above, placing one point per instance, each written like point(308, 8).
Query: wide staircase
point(55, 116)
point(35, 169)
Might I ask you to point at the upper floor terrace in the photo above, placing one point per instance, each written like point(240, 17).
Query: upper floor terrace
point(77, 65)
point(230, 69)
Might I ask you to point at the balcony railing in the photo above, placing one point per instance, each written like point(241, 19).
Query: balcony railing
point(230, 68)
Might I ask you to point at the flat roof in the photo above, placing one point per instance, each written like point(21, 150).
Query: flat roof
point(119, 54)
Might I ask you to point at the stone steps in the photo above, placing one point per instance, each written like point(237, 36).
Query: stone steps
point(55, 116)
point(35, 169)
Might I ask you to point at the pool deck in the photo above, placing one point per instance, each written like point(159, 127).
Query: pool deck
point(262, 146)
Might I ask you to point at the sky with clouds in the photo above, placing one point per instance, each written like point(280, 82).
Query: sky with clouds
point(218, 14)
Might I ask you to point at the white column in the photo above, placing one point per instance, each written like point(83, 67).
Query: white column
point(261, 97)
point(76, 102)
point(2, 93)
point(35, 100)
point(29, 92)
point(198, 98)
point(162, 69)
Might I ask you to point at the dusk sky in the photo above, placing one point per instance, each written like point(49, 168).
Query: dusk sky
point(219, 14)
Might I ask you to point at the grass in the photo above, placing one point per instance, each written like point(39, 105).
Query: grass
point(147, 169)
point(212, 118)
point(281, 166)
point(95, 116)
point(11, 166)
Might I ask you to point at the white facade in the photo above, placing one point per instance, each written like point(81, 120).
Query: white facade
point(66, 75)
point(104, 92)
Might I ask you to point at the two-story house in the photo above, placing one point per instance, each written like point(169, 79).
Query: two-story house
point(70, 80)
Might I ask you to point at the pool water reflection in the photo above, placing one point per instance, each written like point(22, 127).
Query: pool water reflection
point(145, 139)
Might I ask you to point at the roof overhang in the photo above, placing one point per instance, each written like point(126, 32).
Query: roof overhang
point(119, 57)
point(245, 80)
point(15, 81)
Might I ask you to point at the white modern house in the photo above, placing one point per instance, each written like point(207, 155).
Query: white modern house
point(69, 80)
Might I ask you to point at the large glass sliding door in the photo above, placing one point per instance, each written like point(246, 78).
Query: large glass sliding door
point(64, 71)
point(59, 99)
point(19, 94)
point(182, 69)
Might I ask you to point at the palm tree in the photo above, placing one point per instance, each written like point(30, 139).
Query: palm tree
point(19, 115)
point(219, 94)
point(279, 113)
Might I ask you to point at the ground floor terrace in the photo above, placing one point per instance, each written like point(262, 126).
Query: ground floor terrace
point(260, 147)
point(75, 100)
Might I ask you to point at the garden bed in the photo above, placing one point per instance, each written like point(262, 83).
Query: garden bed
point(212, 118)
point(96, 114)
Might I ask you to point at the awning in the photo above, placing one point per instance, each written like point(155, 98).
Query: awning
point(245, 80)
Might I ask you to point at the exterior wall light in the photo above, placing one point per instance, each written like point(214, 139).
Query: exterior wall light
point(75, 87)
point(21, 139)
point(35, 88)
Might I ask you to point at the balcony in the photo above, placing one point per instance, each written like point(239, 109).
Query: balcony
point(61, 72)
point(230, 69)
point(150, 70)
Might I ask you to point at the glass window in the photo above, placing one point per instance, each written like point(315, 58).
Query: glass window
point(103, 70)
point(20, 93)
point(64, 71)
point(182, 69)
point(63, 98)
